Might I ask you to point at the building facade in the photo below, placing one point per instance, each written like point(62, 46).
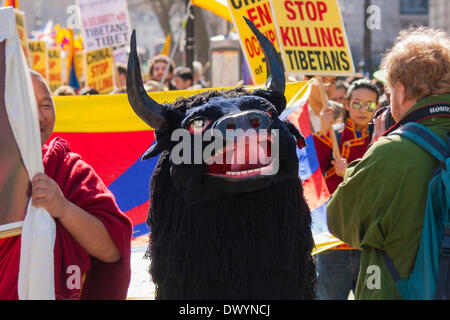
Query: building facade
point(440, 14)
point(386, 18)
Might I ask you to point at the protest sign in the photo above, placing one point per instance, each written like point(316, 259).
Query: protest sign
point(121, 55)
point(22, 31)
point(312, 37)
point(105, 23)
point(39, 58)
point(100, 70)
point(54, 68)
point(79, 65)
point(260, 14)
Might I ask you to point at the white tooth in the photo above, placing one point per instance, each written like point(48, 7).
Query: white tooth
point(243, 172)
point(229, 173)
point(250, 171)
point(238, 173)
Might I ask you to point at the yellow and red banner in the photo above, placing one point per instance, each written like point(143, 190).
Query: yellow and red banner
point(109, 136)
point(100, 70)
point(312, 37)
point(260, 13)
point(39, 58)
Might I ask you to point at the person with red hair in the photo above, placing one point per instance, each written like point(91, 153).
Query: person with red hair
point(380, 205)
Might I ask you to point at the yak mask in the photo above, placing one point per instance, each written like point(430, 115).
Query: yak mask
point(221, 142)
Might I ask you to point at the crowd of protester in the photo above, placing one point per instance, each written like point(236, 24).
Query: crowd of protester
point(175, 78)
point(416, 68)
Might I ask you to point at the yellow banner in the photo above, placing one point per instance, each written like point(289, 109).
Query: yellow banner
point(39, 59)
point(100, 70)
point(312, 37)
point(54, 68)
point(22, 31)
point(113, 113)
point(261, 15)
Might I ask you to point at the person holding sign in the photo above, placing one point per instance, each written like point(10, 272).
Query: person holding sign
point(92, 245)
point(338, 268)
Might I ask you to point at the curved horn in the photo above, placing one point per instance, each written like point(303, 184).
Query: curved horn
point(276, 80)
point(150, 111)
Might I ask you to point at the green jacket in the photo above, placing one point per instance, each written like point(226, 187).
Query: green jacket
point(380, 205)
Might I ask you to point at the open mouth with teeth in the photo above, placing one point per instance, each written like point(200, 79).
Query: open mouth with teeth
point(242, 160)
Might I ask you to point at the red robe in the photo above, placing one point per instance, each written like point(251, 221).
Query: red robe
point(351, 148)
point(82, 186)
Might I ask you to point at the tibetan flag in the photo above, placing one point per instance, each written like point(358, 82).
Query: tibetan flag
point(61, 37)
point(72, 79)
point(111, 138)
point(314, 186)
point(12, 3)
point(78, 43)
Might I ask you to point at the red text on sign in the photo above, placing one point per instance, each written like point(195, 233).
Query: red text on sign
point(261, 12)
point(305, 10)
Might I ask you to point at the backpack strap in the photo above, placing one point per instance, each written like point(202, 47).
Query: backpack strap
point(425, 138)
point(422, 113)
point(434, 145)
point(443, 280)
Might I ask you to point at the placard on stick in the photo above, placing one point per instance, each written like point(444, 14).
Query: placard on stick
point(100, 70)
point(312, 37)
point(105, 23)
point(54, 68)
point(260, 14)
point(39, 58)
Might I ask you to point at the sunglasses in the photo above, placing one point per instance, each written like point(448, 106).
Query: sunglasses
point(369, 106)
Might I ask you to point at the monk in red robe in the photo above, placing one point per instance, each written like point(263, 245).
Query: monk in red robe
point(92, 245)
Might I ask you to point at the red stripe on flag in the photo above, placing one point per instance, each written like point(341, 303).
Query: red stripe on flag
point(315, 190)
point(138, 214)
point(109, 153)
point(300, 118)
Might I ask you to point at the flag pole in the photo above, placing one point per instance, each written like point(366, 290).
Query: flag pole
point(174, 49)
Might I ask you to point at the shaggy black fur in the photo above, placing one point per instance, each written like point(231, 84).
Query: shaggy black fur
point(249, 245)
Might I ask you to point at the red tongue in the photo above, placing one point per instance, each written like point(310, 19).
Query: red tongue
point(243, 157)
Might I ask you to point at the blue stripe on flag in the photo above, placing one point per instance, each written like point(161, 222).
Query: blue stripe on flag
point(307, 158)
point(73, 81)
point(131, 189)
point(140, 230)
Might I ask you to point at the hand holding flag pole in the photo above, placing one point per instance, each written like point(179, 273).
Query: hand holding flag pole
point(323, 95)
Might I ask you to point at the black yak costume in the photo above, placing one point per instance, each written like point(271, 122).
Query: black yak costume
point(226, 231)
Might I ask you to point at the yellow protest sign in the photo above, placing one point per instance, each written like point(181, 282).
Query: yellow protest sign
point(54, 68)
point(39, 59)
point(312, 37)
point(79, 65)
point(22, 31)
point(260, 14)
point(100, 70)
